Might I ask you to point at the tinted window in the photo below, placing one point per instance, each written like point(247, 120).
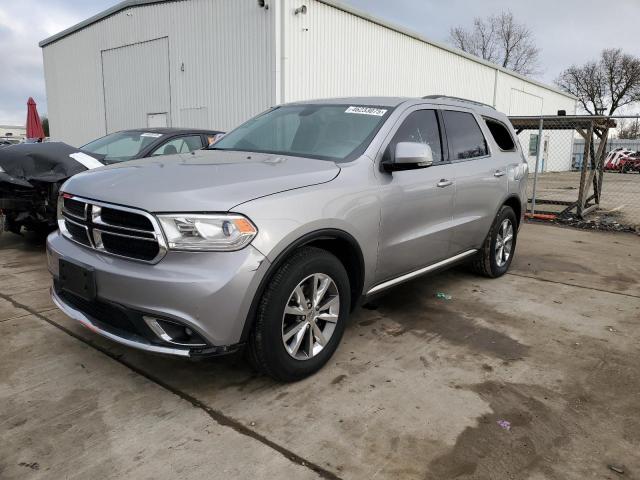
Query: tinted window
point(328, 132)
point(500, 134)
point(420, 126)
point(179, 145)
point(464, 135)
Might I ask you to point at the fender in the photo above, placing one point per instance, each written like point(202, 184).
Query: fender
point(323, 234)
point(508, 199)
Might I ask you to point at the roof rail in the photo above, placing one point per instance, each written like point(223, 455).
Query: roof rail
point(458, 99)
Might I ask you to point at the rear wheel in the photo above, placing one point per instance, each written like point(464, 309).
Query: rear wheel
point(495, 256)
point(301, 316)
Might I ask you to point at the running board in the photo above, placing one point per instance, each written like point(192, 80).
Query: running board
point(422, 271)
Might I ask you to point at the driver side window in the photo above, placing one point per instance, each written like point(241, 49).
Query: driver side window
point(179, 145)
point(420, 126)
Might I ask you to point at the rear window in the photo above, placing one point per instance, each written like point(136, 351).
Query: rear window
point(500, 134)
point(464, 135)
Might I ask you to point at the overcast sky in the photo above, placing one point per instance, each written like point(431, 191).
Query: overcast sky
point(567, 31)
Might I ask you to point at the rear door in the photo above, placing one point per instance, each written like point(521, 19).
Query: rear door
point(481, 178)
point(417, 208)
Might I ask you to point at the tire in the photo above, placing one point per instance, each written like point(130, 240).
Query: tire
point(486, 261)
point(268, 350)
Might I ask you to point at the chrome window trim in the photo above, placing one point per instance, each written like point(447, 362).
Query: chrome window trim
point(158, 235)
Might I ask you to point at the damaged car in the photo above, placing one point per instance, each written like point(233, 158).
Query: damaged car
point(31, 174)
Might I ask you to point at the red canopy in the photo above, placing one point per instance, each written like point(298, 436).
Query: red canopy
point(34, 126)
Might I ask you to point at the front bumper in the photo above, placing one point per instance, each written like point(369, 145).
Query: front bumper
point(208, 292)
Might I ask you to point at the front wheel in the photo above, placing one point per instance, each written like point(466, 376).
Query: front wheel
point(301, 316)
point(495, 256)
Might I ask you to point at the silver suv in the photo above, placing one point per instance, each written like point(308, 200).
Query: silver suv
point(269, 238)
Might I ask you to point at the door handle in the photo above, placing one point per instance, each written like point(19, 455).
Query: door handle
point(499, 173)
point(444, 183)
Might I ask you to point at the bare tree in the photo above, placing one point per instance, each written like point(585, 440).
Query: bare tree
point(629, 129)
point(499, 39)
point(605, 85)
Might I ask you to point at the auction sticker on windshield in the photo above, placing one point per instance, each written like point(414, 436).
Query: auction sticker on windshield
point(378, 112)
point(150, 134)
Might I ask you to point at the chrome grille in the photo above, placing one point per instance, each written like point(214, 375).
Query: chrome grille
point(120, 231)
point(75, 208)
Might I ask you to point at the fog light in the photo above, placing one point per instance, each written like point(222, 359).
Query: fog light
point(174, 333)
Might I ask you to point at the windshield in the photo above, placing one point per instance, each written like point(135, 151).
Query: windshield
point(327, 132)
point(121, 146)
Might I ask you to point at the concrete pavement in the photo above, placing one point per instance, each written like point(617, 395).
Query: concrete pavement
point(416, 390)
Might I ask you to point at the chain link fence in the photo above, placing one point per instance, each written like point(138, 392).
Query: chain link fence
point(581, 172)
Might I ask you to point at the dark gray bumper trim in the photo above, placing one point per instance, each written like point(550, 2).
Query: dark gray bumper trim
point(127, 341)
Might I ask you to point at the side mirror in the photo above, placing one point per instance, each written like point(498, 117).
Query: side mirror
point(410, 156)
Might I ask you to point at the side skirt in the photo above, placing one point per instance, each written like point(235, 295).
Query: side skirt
point(411, 275)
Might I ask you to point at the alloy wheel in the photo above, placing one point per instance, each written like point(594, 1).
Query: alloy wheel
point(310, 316)
point(504, 242)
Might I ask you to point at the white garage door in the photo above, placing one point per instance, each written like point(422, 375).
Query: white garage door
point(136, 85)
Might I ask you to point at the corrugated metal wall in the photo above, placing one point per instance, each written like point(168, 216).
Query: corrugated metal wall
point(230, 59)
point(221, 63)
point(330, 52)
point(136, 84)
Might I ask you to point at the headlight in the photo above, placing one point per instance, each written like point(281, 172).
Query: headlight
point(207, 232)
point(2, 170)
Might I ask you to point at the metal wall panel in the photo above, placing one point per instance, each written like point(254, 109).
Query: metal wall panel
point(524, 103)
point(195, 117)
point(518, 104)
point(329, 52)
point(230, 59)
point(136, 84)
point(221, 57)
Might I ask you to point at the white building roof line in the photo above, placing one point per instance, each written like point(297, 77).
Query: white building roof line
point(333, 3)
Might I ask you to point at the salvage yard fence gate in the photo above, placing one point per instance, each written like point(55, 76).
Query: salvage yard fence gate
point(581, 169)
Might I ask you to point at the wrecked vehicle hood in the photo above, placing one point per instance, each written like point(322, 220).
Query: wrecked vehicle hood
point(202, 181)
point(42, 162)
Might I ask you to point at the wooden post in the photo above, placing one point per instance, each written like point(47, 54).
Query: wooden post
point(602, 153)
point(586, 160)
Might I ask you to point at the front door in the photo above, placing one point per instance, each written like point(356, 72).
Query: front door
point(417, 209)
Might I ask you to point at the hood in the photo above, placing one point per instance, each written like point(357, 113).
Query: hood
point(202, 181)
point(42, 162)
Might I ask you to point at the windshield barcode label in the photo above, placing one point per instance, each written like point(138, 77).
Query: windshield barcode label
point(378, 112)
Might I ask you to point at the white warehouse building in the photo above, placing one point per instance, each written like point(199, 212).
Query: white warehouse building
point(215, 63)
